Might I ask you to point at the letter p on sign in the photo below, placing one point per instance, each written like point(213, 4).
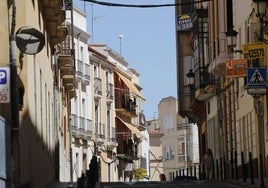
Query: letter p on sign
point(4, 85)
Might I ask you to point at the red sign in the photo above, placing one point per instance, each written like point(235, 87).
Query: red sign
point(236, 68)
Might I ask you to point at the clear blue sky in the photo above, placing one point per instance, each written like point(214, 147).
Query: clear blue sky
point(148, 43)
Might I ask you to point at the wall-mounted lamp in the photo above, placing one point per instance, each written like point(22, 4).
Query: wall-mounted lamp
point(261, 9)
point(231, 35)
point(261, 12)
point(191, 77)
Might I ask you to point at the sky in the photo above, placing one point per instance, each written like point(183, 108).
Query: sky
point(148, 43)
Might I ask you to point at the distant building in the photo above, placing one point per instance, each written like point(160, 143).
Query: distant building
point(119, 124)
point(179, 148)
point(156, 157)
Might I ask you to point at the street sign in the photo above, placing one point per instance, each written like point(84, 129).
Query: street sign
point(4, 85)
point(253, 50)
point(256, 77)
point(236, 68)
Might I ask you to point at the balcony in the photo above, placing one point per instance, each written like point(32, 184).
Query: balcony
point(111, 144)
point(99, 133)
point(125, 106)
point(81, 127)
point(127, 149)
point(55, 16)
point(219, 64)
point(79, 70)
point(97, 88)
point(86, 78)
point(110, 93)
point(65, 65)
point(142, 122)
point(111, 139)
point(206, 84)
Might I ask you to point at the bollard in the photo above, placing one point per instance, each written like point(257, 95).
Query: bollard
point(221, 167)
point(191, 170)
point(217, 170)
point(236, 168)
point(243, 167)
point(232, 165)
point(251, 168)
point(195, 171)
point(224, 169)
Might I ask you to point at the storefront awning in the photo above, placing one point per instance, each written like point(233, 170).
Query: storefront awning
point(133, 129)
point(131, 86)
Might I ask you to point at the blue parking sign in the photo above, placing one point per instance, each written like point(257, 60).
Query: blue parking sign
point(4, 84)
point(3, 76)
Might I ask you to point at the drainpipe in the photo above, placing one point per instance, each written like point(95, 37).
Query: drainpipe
point(14, 111)
point(73, 64)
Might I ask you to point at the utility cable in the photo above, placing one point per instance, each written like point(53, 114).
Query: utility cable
point(142, 6)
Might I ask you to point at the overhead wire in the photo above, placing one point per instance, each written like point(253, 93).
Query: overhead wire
point(142, 5)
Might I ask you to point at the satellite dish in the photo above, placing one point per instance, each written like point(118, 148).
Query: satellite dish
point(29, 40)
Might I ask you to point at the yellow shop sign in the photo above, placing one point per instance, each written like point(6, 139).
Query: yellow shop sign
point(253, 50)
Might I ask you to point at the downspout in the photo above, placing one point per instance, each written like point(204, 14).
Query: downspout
point(56, 115)
point(14, 113)
point(73, 64)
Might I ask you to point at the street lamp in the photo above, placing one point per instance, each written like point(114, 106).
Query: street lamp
point(261, 12)
point(231, 35)
point(261, 8)
point(191, 78)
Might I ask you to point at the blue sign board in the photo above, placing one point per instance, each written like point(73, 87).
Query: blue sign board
point(256, 77)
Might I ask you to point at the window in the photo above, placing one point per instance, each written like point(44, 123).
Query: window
point(82, 53)
point(96, 71)
point(168, 122)
point(168, 153)
point(108, 123)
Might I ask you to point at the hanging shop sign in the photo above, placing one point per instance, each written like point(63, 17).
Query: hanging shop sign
point(184, 22)
point(253, 51)
point(236, 68)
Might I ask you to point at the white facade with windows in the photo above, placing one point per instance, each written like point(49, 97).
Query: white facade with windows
point(81, 104)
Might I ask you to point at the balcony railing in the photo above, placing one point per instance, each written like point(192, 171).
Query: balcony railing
point(110, 91)
point(127, 149)
point(79, 68)
point(100, 130)
point(89, 126)
point(123, 102)
point(87, 72)
point(81, 127)
point(97, 86)
point(204, 78)
point(111, 138)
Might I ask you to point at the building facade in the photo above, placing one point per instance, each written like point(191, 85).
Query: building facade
point(156, 157)
point(177, 140)
point(119, 123)
point(229, 110)
point(81, 104)
point(32, 118)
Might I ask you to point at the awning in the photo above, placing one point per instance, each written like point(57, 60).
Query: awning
point(131, 86)
point(133, 129)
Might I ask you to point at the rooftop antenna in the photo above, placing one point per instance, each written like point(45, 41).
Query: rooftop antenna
point(92, 21)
